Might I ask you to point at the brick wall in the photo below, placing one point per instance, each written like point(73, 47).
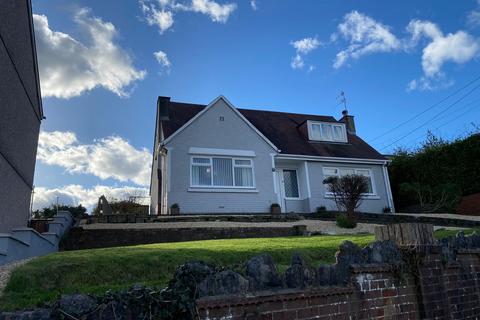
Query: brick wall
point(429, 288)
point(374, 293)
point(461, 281)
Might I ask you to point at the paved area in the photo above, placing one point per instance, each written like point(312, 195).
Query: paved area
point(6, 270)
point(442, 215)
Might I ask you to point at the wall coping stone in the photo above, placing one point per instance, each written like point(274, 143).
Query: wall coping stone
point(271, 296)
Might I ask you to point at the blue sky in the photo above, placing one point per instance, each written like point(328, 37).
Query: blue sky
point(103, 64)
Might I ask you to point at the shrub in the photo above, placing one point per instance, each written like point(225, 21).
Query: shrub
point(344, 222)
point(387, 210)
point(175, 206)
point(347, 192)
point(321, 209)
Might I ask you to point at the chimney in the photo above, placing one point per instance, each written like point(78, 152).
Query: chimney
point(162, 106)
point(349, 122)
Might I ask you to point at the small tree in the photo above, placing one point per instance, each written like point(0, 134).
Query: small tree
point(347, 192)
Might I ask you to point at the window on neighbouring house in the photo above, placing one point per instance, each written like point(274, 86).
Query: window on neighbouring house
point(338, 172)
point(324, 131)
point(290, 183)
point(221, 172)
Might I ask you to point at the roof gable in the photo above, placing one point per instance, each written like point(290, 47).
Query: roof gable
point(203, 110)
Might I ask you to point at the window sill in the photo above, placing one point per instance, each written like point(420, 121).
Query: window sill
point(366, 197)
point(221, 190)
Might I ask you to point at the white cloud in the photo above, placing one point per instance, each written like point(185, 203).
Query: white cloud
point(163, 60)
point(253, 4)
point(429, 84)
point(69, 67)
point(364, 36)
point(297, 62)
point(111, 157)
point(161, 12)
point(473, 17)
point(302, 48)
point(217, 12)
point(459, 48)
point(88, 197)
point(160, 17)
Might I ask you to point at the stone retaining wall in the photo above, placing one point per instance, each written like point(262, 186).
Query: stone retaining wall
point(392, 218)
point(79, 238)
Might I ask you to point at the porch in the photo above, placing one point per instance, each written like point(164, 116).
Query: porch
point(292, 185)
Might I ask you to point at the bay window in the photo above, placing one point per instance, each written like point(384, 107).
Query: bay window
point(221, 172)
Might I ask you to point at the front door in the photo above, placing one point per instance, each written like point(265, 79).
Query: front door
point(288, 187)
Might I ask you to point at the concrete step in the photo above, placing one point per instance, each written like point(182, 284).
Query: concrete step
point(30, 235)
point(14, 248)
point(38, 244)
point(56, 227)
point(52, 237)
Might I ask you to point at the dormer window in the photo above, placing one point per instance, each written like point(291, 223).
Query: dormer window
point(327, 131)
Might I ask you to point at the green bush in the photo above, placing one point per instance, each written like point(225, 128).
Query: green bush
point(436, 163)
point(344, 222)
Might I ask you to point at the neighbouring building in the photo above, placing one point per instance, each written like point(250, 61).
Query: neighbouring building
point(20, 112)
point(220, 159)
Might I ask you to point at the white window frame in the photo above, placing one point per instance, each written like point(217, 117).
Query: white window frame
point(211, 186)
point(322, 138)
point(283, 184)
point(370, 174)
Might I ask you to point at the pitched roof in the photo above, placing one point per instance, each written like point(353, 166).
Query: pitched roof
point(286, 130)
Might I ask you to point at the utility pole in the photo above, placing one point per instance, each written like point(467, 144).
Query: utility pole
point(57, 205)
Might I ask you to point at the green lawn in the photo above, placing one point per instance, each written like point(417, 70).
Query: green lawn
point(97, 270)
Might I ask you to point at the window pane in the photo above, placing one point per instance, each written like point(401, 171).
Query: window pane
point(370, 185)
point(344, 172)
point(201, 175)
point(338, 133)
point(329, 172)
point(201, 160)
point(222, 172)
point(243, 162)
point(243, 177)
point(327, 132)
point(363, 172)
point(366, 174)
point(290, 183)
point(316, 132)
